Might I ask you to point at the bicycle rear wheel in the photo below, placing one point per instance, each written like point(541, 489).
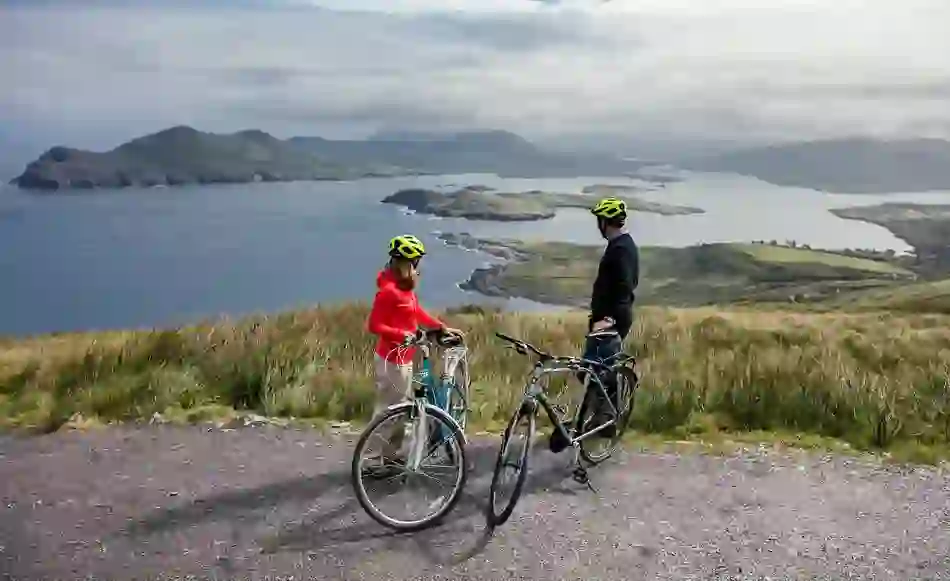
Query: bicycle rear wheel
point(457, 385)
point(499, 510)
point(626, 391)
point(395, 469)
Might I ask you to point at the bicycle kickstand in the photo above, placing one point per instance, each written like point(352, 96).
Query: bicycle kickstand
point(580, 474)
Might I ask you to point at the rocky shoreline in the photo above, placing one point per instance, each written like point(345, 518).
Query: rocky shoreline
point(559, 273)
point(487, 280)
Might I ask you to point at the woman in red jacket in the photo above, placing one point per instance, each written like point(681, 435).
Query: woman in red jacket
point(396, 315)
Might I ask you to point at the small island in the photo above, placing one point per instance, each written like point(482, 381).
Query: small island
point(623, 189)
point(473, 204)
point(657, 178)
point(562, 273)
point(611, 189)
point(477, 203)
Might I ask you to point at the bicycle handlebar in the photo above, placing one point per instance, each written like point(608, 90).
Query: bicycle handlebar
point(438, 336)
point(523, 347)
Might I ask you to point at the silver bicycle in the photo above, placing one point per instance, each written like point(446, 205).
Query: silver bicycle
point(429, 434)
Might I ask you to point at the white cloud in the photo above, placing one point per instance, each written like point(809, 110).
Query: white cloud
point(448, 6)
point(729, 69)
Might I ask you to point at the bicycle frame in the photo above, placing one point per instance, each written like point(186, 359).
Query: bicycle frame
point(535, 393)
point(427, 384)
point(423, 384)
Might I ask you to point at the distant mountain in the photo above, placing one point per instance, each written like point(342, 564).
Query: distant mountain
point(859, 166)
point(499, 152)
point(183, 155)
point(436, 135)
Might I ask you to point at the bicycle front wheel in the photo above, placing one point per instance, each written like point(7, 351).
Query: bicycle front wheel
point(514, 457)
point(410, 448)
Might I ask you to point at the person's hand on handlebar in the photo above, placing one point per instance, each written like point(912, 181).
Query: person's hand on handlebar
point(603, 324)
point(412, 337)
point(452, 331)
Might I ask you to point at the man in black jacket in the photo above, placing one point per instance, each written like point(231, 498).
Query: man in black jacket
point(611, 301)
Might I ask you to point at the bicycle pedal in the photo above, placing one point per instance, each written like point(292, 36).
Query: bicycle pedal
point(580, 475)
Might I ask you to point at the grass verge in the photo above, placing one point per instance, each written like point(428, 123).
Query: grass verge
point(875, 381)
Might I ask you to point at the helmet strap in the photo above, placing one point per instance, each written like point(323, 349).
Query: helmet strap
point(610, 226)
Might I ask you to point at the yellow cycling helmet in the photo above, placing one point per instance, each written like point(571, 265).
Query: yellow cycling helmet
point(406, 246)
point(610, 208)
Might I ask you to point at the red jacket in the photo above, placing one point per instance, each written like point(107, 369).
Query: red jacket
point(395, 313)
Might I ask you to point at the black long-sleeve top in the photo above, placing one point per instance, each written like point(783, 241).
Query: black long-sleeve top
point(617, 279)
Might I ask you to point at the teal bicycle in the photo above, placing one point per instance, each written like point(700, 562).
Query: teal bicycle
point(421, 440)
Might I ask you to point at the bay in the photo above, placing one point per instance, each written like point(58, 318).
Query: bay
point(157, 257)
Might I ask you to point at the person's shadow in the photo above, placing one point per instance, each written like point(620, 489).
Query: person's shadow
point(463, 533)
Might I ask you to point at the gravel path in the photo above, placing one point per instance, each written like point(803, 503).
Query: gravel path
point(272, 503)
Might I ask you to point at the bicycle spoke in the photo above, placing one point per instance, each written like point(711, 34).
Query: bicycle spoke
point(435, 467)
point(430, 477)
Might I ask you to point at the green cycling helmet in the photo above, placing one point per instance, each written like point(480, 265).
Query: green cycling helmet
point(610, 208)
point(406, 246)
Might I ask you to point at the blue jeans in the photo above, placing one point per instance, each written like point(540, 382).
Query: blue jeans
point(602, 349)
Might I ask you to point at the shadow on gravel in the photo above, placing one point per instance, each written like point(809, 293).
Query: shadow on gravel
point(462, 535)
point(238, 504)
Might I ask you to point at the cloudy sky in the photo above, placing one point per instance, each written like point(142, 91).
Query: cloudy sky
point(95, 73)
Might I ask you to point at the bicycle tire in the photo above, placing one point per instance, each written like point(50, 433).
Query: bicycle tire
point(626, 400)
point(629, 398)
point(356, 475)
point(461, 388)
point(497, 518)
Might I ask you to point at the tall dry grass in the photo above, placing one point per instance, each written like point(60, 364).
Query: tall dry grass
point(874, 380)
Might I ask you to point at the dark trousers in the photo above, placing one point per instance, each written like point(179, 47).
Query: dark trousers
point(603, 349)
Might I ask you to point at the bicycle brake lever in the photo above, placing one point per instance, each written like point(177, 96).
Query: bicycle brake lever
point(517, 348)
